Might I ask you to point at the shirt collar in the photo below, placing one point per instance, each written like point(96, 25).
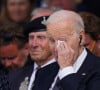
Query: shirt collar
point(80, 60)
point(49, 62)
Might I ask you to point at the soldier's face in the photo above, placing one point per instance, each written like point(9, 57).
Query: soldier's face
point(40, 49)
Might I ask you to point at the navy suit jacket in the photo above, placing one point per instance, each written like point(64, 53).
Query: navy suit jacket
point(87, 78)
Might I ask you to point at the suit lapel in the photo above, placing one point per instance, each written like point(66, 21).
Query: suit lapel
point(86, 71)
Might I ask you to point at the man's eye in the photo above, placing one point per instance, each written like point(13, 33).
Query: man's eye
point(42, 37)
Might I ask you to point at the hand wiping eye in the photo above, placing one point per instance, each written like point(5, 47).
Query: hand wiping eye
point(59, 42)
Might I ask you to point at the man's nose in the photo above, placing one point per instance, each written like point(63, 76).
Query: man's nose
point(35, 42)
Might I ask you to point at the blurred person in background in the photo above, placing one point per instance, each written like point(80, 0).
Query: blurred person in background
point(92, 32)
point(18, 11)
point(13, 46)
point(64, 4)
point(38, 12)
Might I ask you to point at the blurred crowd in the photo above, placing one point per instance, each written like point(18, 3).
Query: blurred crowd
point(18, 21)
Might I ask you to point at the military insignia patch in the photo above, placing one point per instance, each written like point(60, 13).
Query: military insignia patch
point(24, 84)
point(44, 21)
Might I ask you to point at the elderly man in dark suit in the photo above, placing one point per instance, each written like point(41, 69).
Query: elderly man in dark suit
point(79, 69)
point(41, 51)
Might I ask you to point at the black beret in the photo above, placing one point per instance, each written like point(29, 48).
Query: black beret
point(36, 25)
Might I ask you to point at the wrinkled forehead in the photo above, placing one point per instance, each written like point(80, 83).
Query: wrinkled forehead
point(58, 30)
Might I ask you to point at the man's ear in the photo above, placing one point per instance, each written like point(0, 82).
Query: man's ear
point(82, 38)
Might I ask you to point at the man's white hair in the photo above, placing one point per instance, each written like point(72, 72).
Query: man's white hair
point(67, 16)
